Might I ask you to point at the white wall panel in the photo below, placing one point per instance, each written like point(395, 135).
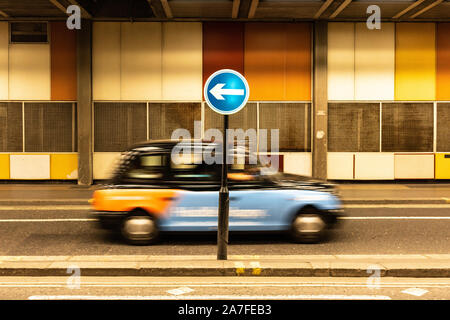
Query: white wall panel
point(374, 166)
point(141, 61)
point(182, 61)
point(340, 165)
point(104, 164)
point(341, 61)
point(106, 61)
point(374, 62)
point(298, 163)
point(3, 60)
point(29, 71)
point(29, 167)
point(414, 166)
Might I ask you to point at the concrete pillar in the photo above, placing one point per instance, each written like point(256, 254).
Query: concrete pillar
point(320, 101)
point(84, 103)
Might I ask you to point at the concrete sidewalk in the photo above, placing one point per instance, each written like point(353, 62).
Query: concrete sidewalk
point(275, 265)
point(352, 193)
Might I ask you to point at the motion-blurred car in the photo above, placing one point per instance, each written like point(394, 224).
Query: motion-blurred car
point(150, 193)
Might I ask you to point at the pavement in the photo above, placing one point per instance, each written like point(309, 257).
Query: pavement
point(352, 193)
point(401, 230)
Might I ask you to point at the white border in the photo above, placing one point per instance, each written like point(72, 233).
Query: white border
point(205, 91)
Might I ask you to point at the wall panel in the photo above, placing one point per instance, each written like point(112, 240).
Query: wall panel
point(374, 62)
point(277, 61)
point(29, 71)
point(341, 61)
point(340, 166)
point(104, 164)
point(106, 61)
point(443, 61)
point(182, 61)
point(64, 166)
point(4, 166)
point(415, 61)
point(298, 163)
point(141, 61)
point(30, 166)
point(4, 60)
point(63, 53)
point(374, 166)
point(223, 47)
point(414, 166)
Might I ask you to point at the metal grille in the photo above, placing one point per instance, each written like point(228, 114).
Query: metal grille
point(407, 127)
point(11, 138)
point(293, 121)
point(118, 125)
point(48, 127)
point(354, 127)
point(245, 119)
point(443, 128)
point(164, 118)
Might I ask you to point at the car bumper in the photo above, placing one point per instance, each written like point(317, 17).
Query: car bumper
point(109, 219)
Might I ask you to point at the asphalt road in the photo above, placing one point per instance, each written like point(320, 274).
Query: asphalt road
point(223, 288)
point(370, 229)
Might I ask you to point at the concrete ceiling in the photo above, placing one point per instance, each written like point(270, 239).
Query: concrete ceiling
point(258, 10)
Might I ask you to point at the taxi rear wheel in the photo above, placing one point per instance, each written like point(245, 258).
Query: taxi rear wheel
point(139, 228)
point(308, 227)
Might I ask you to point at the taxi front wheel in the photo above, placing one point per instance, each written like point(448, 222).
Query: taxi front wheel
point(139, 229)
point(308, 227)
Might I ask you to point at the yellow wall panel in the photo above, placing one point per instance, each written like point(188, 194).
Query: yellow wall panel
point(182, 61)
point(141, 61)
point(3, 60)
point(341, 61)
point(442, 165)
point(374, 62)
point(106, 61)
point(443, 62)
point(29, 71)
point(415, 61)
point(64, 166)
point(4, 166)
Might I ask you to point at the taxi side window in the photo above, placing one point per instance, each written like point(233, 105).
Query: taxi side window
point(147, 167)
point(192, 168)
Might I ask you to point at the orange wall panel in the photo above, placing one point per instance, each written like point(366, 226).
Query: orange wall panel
point(63, 53)
point(277, 61)
point(443, 61)
point(223, 47)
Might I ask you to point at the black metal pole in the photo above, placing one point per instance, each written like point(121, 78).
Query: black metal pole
point(224, 200)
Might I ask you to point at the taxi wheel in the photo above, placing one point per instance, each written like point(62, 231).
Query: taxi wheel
point(139, 228)
point(308, 227)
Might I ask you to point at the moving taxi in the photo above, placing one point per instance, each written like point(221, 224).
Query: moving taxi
point(150, 193)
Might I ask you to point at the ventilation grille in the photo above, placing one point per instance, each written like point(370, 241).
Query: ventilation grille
point(353, 127)
point(407, 127)
point(49, 127)
point(11, 139)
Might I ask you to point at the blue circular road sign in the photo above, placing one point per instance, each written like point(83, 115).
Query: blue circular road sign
point(226, 91)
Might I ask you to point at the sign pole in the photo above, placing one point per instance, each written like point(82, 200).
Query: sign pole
point(224, 200)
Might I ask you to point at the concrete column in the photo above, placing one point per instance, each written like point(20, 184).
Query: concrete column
point(320, 101)
point(84, 103)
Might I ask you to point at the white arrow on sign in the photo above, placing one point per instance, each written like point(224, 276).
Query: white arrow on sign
point(218, 92)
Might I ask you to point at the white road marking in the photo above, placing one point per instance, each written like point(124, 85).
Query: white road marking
point(418, 292)
point(215, 297)
point(180, 291)
point(398, 206)
point(340, 218)
point(48, 220)
point(394, 218)
point(46, 208)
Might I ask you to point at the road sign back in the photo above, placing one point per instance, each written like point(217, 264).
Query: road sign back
point(226, 91)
